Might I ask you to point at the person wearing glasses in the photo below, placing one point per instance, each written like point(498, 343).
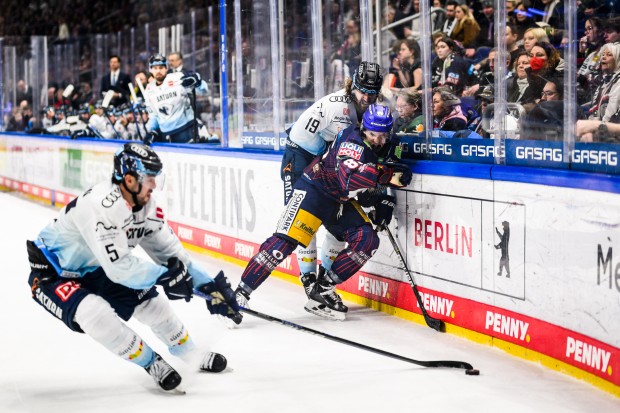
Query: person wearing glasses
point(590, 46)
point(409, 108)
point(553, 90)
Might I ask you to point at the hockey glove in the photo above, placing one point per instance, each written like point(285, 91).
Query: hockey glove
point(398, 175)
point(177, 281)
point(222, 300)
point(382, 215)
point(191, 81)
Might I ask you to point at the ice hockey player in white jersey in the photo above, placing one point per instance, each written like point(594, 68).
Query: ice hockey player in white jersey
point(310, 136)
point(84, 272)
point(100, 124)
point(168, 100)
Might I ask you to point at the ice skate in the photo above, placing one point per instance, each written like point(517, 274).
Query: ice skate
point(307, 280)
point(213, 363)
point(325, 302)
point(164, 375)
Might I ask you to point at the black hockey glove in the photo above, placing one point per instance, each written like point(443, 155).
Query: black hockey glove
point(397, 175)
point(191, 81)
point(222, 301)
point(81, 133)
point(382, 215)
point(40, 264)
point(177, 281)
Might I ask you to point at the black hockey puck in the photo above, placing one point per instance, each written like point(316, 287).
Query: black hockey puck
point(472, 372)
point(213, 363)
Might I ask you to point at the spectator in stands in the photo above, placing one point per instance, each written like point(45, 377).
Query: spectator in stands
point(590, 47)
point(447, 113)
point(24, 92)
point(518, 87)
point(59, 99)
point(553, 89)
point(606, 101)
point(409, 108)
point(17, 122)
point(117, 81)
point(512, 43)
point(406, 70)
point(545, 61)
point(449, 68)
point(466, 30)
point(533, 36)
point(349, 55)
point(486, 36)
point(523, 19)
point(437, 19)
point(450, 22)
point(553, 13)
point(597, 131)
point(612, 30)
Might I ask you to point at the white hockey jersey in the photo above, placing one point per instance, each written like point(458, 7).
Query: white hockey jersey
point(100, 229)
point(102, 126)
point(322, 122)
point(169, 104)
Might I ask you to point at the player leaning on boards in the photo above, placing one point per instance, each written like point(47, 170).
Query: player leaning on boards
point(84, 273)
point(169, 103)
point(324, 196)
point(309, 137)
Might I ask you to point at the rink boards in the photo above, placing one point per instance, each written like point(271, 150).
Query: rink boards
point(559, 305)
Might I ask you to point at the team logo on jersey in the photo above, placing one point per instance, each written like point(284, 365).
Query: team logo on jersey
point(102, 225)
point(111, 198)
point(350, 150)
point(345, 111)
point(288, 217)
point(340, 99)
point(159, 213)
point(66, 290)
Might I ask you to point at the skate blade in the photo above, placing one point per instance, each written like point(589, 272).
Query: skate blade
point(229, 323)
point(323, 311)
point(177, 391)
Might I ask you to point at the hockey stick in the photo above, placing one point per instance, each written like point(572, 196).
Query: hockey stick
point(105, 105)
point(134, 109)
point(433, 323)
point(430, 363)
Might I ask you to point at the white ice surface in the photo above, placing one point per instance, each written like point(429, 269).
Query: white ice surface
point(44, 367)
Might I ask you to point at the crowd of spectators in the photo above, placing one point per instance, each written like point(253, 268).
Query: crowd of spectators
point(464, 56)
point(462, 67)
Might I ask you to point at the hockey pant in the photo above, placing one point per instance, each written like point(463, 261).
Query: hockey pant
point(306, 211)
point(97, 306)
point(294, 161)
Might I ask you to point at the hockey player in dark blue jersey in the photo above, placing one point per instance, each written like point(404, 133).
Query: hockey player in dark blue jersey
point(325, 196)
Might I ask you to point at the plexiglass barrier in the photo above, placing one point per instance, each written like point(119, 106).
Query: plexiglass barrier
point(547, 70)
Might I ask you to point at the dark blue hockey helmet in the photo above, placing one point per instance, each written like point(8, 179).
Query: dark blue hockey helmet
point(158, 60)
point(136, 159)
point(378, 118)
point(367, 78)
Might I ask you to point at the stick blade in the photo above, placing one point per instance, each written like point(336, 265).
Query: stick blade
point(107, 99)
point(435, 324)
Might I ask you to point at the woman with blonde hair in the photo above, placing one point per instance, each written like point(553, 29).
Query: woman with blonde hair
point(533, 36)
point(467, 28)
